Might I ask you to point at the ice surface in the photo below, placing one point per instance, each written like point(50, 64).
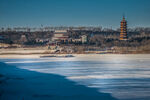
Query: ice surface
point(125, 77)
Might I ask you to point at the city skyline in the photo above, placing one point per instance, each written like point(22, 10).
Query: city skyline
point(105, 13)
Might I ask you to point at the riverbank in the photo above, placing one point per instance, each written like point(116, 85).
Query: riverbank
point(44, 51)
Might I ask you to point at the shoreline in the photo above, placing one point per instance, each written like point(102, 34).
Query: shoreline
point(47, 53)
point(37, 56)
point(37, 52)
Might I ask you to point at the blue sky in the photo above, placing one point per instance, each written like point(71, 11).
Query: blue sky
point(105, 13)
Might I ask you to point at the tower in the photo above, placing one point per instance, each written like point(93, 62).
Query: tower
point(123, 29)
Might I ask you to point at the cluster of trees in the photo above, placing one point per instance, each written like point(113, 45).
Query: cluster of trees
point(105, 38)
point(15, 37)
point(138, 37)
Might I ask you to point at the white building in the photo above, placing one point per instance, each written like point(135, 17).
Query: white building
point(84, 38)
point(23, 39)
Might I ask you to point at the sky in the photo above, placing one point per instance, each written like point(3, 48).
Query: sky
point(105, 13)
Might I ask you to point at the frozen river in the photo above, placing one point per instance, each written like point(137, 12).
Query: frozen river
point(124, 77)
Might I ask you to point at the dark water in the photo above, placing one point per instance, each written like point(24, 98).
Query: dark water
point(125, 77)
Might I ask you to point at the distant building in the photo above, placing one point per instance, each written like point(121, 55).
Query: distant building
point(38, 40)
point(60, 35)
point(79, 40)
point(84, 39)
point(123, 29)
point(23, 39)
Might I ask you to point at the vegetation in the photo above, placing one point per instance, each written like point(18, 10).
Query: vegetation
point(138, 38)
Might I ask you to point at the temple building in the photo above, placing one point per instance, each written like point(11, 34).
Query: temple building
point(123, 29)
point(60, 35)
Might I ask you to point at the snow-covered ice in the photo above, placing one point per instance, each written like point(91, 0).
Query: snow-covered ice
point(84, 77)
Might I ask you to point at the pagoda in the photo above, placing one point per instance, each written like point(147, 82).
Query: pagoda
point(123, 29)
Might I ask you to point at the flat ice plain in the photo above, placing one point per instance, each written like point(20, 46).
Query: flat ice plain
point(83, 77)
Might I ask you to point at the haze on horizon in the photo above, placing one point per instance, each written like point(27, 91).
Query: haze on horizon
point(105, 13)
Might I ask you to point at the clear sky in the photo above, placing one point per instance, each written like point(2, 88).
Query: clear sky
point(105, 13)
